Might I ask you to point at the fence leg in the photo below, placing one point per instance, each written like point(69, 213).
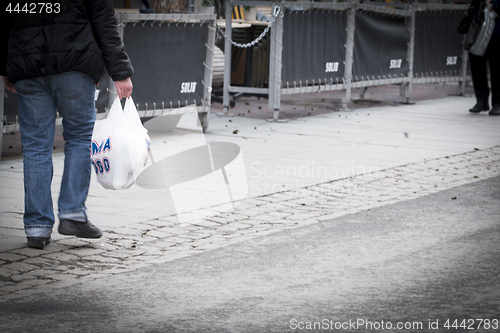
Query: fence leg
point(362, 93)
point(227, 57)
point(275, 67)
point(405, 92)
point(463, 82)
point(406, 88)
point(2, 99)
point(349, 49)
point(207, 84)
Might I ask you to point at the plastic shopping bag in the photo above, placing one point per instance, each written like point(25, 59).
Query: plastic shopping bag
point(120, 147)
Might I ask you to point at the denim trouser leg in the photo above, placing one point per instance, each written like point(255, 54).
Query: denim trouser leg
point(72, 94)
point(76, 105)
point(37, 123)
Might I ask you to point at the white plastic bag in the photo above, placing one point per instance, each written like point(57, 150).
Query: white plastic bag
point(120, 147)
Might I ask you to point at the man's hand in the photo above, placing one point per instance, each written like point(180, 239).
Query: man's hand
point(124, 88)
point(8, 85)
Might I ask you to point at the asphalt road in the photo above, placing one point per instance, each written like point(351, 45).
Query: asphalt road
point(419, 262)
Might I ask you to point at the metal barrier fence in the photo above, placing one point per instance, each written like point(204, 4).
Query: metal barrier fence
point(340, 46)
point(172, 55)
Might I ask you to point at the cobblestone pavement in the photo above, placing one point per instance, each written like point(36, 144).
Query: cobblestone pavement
point(71, 261)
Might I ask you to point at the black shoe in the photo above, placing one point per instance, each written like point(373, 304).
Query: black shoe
point(79, 229)
point(495, 111)
point(38, 242)
point(480, 107)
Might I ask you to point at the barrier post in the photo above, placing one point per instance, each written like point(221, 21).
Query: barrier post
point(227, 57)
point(2, 100)
point(349, 49)
point(275, 66)
point(406, 87)
point(463, 81)
point(207, 80)
point(272, 45)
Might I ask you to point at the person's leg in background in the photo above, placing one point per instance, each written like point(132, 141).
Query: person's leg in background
point(37, 114)
point(76, 104)
point(479, 75)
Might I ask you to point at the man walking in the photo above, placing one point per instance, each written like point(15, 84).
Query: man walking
point(52, 54)
point(479, 64)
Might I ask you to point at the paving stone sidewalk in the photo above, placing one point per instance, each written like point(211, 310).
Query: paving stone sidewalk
point(71, 261)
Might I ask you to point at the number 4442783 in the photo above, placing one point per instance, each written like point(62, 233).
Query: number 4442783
point(471, 324)
point(34, 8)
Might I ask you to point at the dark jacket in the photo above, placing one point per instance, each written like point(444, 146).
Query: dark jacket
point(81, 37)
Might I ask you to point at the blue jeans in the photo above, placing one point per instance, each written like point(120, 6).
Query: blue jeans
point(72, 95)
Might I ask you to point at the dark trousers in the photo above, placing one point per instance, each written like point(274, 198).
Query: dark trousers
point(479, 72)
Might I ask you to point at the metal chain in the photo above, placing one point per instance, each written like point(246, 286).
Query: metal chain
point(221, 34)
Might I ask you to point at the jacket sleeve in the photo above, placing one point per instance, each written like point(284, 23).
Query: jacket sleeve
point(6, 21)
point(464, 25)
point(102, 18)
